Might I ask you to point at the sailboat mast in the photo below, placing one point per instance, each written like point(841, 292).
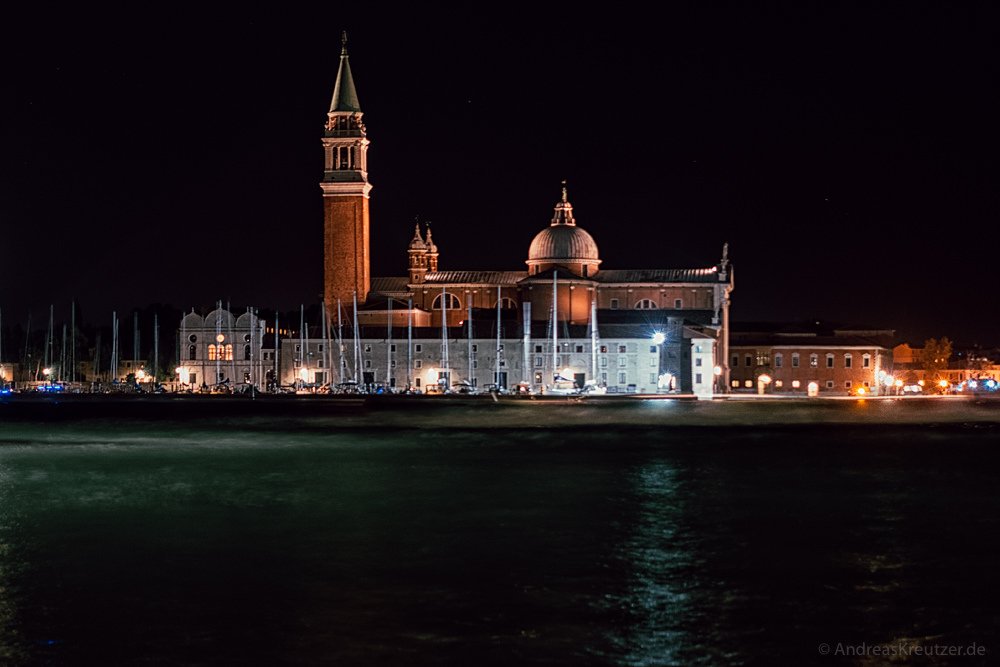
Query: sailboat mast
point(444, 337)
point(496, 373)
point(277, 350)
point(340, 346)
point(357, 340)
point(593, 337)
point(555, 324)
point(303, 373)
point(409, 341)
point(219, 353)
point(156, 347)
point(388, 349)
point(468, 310)
point(72, 338)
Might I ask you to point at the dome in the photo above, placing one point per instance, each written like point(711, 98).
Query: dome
point(562, 243)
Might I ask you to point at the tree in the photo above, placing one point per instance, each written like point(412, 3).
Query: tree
point(934, 359)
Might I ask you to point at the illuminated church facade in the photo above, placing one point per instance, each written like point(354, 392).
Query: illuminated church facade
point(564, 316)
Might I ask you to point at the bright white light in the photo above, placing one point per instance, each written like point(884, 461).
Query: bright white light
point(47, 371)
point(220, 338)
point(658, 338)
point(764, 379)
point(718, 370)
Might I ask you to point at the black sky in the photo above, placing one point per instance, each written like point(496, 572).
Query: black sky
point(847, 154)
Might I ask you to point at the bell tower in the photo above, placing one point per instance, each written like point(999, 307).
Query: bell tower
point(346, 261)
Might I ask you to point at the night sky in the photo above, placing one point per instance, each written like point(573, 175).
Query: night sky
point(848, 155)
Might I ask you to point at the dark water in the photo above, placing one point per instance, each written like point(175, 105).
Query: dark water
point(641, 535)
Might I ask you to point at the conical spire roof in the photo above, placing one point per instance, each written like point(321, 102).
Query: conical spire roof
point(417, 242)
point(345, 97)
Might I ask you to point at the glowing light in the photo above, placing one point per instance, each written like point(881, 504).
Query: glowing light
point(920, 382)
point(47, 371)
point(861, 391)
point(220, 338)
point(764, 379)
point(140, 374)
point(796, 384)
point(303, 373)
point(943, 384)
point(717, 370)
point(898, 384)
point(658, 338)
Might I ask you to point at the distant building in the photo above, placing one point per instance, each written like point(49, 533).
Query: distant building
point(563, 314)
point(223, 348)
point(790, 358)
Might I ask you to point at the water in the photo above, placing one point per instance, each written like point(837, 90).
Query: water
point(639, 534)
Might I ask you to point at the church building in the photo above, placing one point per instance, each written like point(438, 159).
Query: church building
point(563, 316)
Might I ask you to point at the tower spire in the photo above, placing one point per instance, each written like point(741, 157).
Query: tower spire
point(345, 97)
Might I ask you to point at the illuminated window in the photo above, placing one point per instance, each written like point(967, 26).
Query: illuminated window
point(735, 383)
point(451, 302)
point(614, 304)
point(813, 360)
point(763, 358)
point(211, 353)
point(796, 384)
point(777, 384)
point(847, 361)
point(778, 360)
point(748, 384)
point(229, 351)
point(795, 359)
point(645, 304)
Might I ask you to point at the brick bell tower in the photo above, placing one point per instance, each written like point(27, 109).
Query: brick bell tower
point(345, 187)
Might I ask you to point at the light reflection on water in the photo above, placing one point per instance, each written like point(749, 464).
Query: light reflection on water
point(317, 540)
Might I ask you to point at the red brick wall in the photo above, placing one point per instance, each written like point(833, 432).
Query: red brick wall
point(346, 260)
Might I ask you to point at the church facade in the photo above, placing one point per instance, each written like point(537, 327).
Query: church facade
point(564, 316)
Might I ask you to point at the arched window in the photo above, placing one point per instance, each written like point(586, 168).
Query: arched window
point(229, 351)
point(246, 352)
point(192, 352)
point(211, 353)
point(451, 302)
point(646, 304)
point(506, 303)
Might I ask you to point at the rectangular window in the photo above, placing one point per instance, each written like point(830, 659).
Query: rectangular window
point(829, 361)
point(418, 364)
point(866, 361)
point(475, 364)
point(614, 304)
point(417, 382)
point(866, 383)
point(796, 384)
point(749, 361)
point(368, 363)
point(538, 349)
point(622, 361)
point(778, 384)
point(475, 348)
point(697, 362)
point(735, 383)
point(697, 378)
point(604, 349)
point(748, 384)
point(813, 360)
point(579, 349)
point(418, 348)
point(735, 360)
point(621, 349)
point(319, 363)
point(392, 348)
point(678, 304)
point(319, 347)
point(847, 385)
point(622, 378)
point(653, 361)
point(298, 348)
point(829, 384)
point(539, 362)
point(847, 361)
point(604, 362)
point(795, 360)
point(368, 348)
point(604, 378)
point(778, 360)
point(652, 349)
point(652, 378)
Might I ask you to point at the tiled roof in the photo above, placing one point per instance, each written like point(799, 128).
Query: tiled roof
point(479, 277)
point(710, 275)
point(390, 285)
